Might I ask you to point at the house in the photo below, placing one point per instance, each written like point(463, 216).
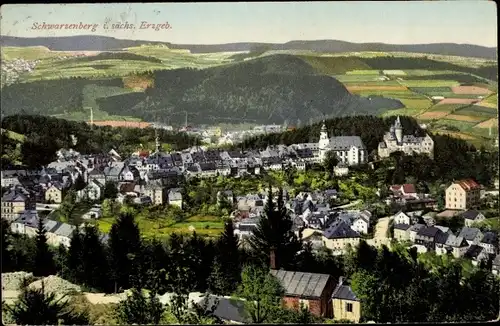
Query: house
point(63, 233)
point(338, 235)
point(10, 178)
point(112, 173)
point(311, 290)
point(341, 170)
point(227, 309)
point(157, 192)
point(440, 242)
point(402, 218)
point(401, 232)
point(55, 193)
point(361, 224)
point(93, 213)
point(26, 223)
point(97, 174)
point(245, 228)
point(456, 245)
point(472, 216)
point(130, 174)
point(495, 266)
point(476, 254)
point(472, 235)
point(490, 243)
point(426, 237)
point(93, 191)
point(405, 191)
point(174, 197)
point(14, 202)
point(346, 305)
point(413, 230)
point(462, 194)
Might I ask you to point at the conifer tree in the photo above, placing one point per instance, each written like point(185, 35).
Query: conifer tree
point(44, 261)
point(75, 257)
point(275, 231)
point(95, 267)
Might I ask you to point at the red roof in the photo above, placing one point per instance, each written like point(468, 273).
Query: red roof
point(407, 188)
point(144, 153)
point(468, 184)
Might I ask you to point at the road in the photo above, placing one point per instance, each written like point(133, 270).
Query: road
point(380, 235)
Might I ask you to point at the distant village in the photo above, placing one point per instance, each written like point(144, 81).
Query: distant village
point(155, 178)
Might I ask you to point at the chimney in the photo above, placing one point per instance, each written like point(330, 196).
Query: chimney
point(273, 259)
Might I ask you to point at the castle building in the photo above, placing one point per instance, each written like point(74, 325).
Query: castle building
point(350, 150)
point(395, 140)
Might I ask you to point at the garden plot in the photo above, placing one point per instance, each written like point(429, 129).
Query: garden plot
point(473, 90)
point(466, 118)
point(478, 111)
point(363, 72)
point(429, 83)
point(491, 123)
point(433, 115)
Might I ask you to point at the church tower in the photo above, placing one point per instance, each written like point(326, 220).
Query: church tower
point(398, 130)
point(324, 142)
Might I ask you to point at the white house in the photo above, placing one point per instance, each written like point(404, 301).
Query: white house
point(402, 218)
point(361, 224)
point(93, 191)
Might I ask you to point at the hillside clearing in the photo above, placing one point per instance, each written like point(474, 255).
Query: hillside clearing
point(431, 115)
point(470, 90)
point(467, 118)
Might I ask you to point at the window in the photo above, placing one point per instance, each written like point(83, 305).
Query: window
point(348, 307)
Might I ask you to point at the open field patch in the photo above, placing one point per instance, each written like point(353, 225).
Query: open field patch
point(490, 102)
point(360, 78)
point(431, 90)
point(463, 101)
point(488, 123)
point(454, 124)
point(122, 123)
point(363, 72)
point(418, 103)
point(447, 107)
point(424, 72)
point(429, 83)
point(432, 115)
point(479, 111)
point(470, 90)
point(394, 72)
point(467, 118)
point(355, 88)
point(333, 65)
point(373, 83)
point(403, 111)
point(30, 53)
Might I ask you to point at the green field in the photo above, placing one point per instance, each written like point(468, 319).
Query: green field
point(417, 104)
point(92, 92)
point(446, 107)
point(371, 83)
point(363, 72)
point(423, 72)
point(210, 226)
point(358, 78)
point(490, 101)
point(28, 53)
point(396, 94)
point(84, 115)
point(429, 83)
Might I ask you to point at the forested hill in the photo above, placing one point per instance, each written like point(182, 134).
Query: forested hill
point(46, 135)
point(105, 43)
point(271, 89)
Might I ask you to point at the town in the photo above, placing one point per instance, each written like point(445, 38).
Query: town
point(327, 219)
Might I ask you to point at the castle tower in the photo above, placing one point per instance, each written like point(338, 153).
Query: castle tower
point(398, 130)
point(324, 142)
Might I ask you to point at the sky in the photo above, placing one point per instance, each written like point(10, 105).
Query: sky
point(472, 22)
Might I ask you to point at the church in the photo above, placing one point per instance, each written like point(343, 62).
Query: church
point(395, 141)
point(350, 150)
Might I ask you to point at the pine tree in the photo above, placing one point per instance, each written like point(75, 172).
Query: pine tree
point(75, 257)
point(95, 267)
point(275, 231)
point(125, 247)
point(7, 256)
point(44, 260)
point(226, 272)
point(141, 309)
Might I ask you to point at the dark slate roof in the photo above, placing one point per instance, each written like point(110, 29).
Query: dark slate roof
point(496, 261)
point(441, 237)
point(14, 196)
point(470, 214)
point(457, 242)
point(228, 309)
point(469, 233)
point(339, 229)
point(429, 231)
point(344, 292)
point(473, 251)
point(490, 238)
point(403, 227)
point(299, 284)
point(235, 154)
point(208, 167)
